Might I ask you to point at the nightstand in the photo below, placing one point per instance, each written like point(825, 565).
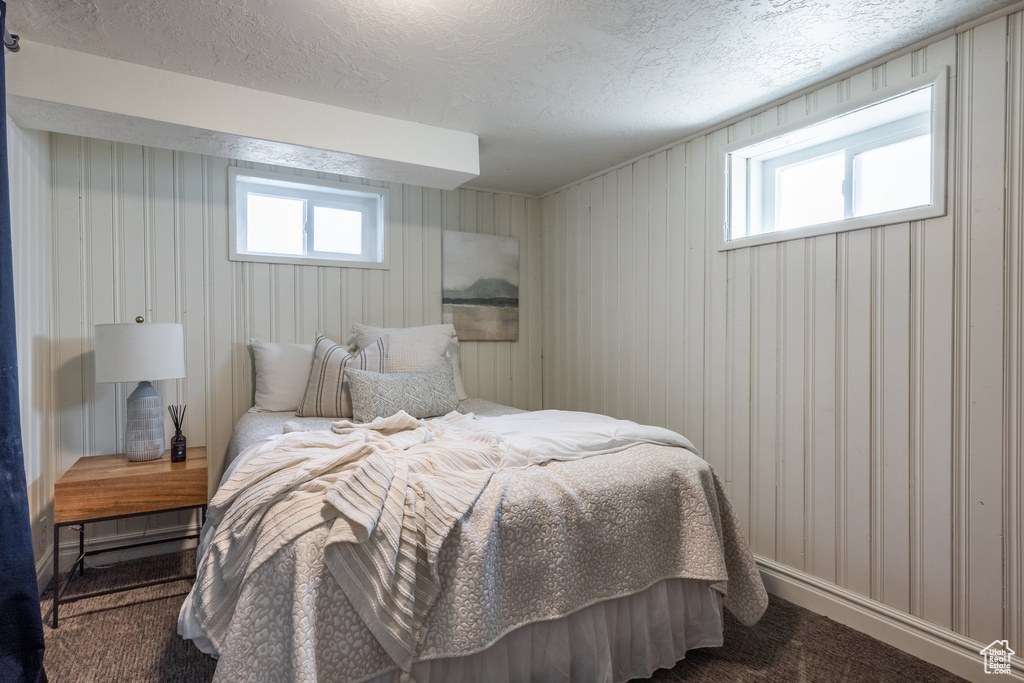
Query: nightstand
point(103, 487)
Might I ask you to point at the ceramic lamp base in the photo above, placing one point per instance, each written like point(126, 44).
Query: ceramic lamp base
point(144, 437)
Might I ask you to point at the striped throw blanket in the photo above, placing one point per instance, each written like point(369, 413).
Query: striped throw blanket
point(391, 491)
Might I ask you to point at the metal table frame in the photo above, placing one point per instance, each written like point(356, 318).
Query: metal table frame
point(79, 562)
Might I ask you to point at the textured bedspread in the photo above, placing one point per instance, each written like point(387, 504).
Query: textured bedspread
point(540, 542)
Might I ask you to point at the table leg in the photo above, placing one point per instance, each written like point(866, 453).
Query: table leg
point(55, 582)
point(81, 549)
point(203, 523)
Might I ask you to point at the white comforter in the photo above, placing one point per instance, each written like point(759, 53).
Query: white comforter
point(536, 437)
point(382, 499)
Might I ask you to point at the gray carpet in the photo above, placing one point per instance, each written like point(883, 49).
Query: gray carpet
point(133, 637)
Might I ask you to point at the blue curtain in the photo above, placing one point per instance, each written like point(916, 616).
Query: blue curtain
point(21, 628)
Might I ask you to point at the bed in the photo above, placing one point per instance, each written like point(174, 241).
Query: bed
point(584, 549)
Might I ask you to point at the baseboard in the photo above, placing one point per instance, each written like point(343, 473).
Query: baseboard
point(44, 568)
point(942, 647)
point(69, 548)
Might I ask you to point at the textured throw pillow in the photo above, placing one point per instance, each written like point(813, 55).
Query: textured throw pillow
point(327, 391)
point(416, 348)
point(409, 348)
point(281, 374)
point(425, 393)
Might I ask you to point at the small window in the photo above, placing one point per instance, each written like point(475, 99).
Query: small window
point(282, 218)
point(875, 162)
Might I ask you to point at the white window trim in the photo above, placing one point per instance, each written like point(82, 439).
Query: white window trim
point(310, 260)
point(939, 80)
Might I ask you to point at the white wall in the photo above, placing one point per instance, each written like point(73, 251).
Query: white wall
point(32, 239)
point(860, 393)
point(143, 231)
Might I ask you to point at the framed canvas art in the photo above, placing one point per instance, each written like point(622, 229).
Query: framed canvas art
point(480, 286)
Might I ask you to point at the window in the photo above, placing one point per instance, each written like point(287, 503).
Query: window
point(283, 218)
point(874, 162)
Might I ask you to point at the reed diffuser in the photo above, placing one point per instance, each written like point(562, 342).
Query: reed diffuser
point(178, 440)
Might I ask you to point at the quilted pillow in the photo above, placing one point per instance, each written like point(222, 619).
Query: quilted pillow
point(416, 348)
point(425, 393)
point(327, 391)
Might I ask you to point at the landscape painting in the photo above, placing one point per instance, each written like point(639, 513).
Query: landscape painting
point(480, 286)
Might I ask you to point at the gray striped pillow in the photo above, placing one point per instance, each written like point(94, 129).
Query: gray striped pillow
point(327, 392)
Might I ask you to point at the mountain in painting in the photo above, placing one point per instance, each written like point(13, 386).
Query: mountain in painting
point(484, 292)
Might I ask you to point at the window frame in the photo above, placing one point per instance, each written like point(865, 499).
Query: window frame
point(753, 183)
point(313, 192)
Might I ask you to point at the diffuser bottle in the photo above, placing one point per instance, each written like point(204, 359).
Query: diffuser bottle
point(178, 440)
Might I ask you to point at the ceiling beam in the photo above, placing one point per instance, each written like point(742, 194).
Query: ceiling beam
point(54, 89)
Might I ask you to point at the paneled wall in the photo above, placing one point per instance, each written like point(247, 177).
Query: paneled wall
point(144, 231)
point(860, 393)
point(32, 239)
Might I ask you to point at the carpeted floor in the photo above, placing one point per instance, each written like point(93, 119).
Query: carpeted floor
point(133, 637)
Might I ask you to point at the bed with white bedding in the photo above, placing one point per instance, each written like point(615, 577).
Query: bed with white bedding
point(351, 541)
point(594, 550)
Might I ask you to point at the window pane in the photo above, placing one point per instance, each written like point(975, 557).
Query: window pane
point(810, 193)
point(897, 176)
point(337, 230)
point(282, 218)
point(273, 225)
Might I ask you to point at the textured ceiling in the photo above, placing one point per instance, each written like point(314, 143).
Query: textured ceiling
point(556, 89)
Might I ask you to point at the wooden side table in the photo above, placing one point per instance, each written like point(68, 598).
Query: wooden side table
point(104, 487)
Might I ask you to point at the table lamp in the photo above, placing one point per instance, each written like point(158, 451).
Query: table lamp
point(141, 352)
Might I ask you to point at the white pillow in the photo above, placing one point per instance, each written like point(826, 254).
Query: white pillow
point(416, 348)
point(452, 356)
point(282, 371)
point(412, 349)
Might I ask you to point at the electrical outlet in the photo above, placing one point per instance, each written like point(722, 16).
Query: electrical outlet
point(44, 528)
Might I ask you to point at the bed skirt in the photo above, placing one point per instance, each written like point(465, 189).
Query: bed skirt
point(610, 642)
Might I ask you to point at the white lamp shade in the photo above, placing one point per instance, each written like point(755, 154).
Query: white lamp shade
point(139, 352)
